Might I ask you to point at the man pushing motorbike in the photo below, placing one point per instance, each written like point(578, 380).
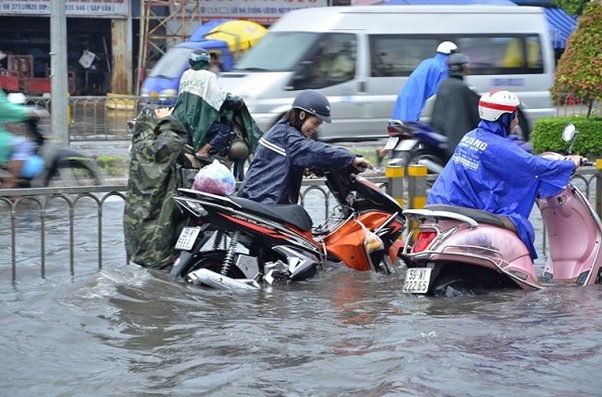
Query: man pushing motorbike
point(490, 172)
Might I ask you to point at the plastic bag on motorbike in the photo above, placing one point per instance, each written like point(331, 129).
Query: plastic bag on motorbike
point(215, 178)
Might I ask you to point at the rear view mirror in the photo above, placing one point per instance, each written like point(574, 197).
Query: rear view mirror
point(568, 132)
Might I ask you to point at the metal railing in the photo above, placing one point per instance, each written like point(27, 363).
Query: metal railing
point(36, 202)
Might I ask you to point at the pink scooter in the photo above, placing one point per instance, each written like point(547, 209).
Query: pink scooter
point(460, 250)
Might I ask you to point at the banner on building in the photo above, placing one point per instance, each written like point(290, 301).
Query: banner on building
point(92, 8)
point(261, 11)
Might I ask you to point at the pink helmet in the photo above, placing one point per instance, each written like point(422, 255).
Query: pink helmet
point(495, 103)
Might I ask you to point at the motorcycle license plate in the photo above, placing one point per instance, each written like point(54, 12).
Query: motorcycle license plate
point(392, 142)
point(417, 280)
point(187, 238)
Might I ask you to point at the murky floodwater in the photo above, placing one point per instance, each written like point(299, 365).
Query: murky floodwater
point(125, 331)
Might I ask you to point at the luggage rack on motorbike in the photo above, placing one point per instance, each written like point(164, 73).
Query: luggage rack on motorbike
point(340, 215)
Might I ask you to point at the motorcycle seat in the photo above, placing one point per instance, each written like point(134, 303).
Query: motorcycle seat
point(478, 215)
point(286, 213)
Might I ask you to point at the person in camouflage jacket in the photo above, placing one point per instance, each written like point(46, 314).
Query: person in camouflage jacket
point(151, 221)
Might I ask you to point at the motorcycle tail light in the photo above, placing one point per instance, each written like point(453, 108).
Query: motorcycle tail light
point(394, 131)
point(423, 241)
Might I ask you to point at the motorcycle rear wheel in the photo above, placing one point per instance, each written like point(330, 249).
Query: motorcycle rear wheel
point(214, 261)
point(424, 154)
point(454, 284)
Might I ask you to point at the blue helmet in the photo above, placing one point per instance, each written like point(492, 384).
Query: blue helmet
point(199, 59)
point(313, 102)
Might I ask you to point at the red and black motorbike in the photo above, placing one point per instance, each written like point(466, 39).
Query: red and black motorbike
point(239, 243)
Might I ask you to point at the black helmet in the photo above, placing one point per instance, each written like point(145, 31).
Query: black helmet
point(314, 103)
point(199, 59)
point(456, 63)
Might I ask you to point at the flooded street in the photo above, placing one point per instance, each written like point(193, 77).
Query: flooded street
point(126, 331)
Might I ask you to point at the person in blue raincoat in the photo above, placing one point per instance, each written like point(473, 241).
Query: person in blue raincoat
point(422, 84)
point(286, 151)
point(490, 172)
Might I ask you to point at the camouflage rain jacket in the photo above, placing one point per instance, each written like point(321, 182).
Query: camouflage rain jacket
point(151, 221)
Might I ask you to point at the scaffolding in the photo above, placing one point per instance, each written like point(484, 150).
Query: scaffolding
point(163, 24)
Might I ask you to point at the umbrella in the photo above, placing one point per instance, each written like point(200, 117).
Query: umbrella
point(240, 35)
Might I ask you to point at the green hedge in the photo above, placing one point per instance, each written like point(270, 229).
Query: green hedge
point(547, 136)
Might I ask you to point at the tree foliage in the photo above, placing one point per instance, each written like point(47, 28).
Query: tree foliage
point(579, 71)
point(573, 7)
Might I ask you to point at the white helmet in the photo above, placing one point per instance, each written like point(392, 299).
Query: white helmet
point(495, 103)
point(447, 47)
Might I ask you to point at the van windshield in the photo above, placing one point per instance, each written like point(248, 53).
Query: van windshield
point(278, 51)
point(172, 64)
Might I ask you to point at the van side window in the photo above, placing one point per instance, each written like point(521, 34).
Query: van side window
point(332, 62)
point(394, 55)
point(399, 55)
point(503, 54)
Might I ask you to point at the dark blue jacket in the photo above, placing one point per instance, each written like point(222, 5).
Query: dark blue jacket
point(492, 173)
point(283, 155)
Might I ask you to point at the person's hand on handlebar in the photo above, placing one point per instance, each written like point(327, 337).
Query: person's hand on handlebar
point(577, 160)
point(361, 164)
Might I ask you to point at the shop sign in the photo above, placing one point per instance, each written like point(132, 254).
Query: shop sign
point(93, 8)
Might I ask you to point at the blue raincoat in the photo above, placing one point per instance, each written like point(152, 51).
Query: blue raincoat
point(283, 155)
point(420, 86)
point(492, 173)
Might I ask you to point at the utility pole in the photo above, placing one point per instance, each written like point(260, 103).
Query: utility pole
point(58, 69)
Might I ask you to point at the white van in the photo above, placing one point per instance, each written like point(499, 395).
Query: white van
point(360, 57)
